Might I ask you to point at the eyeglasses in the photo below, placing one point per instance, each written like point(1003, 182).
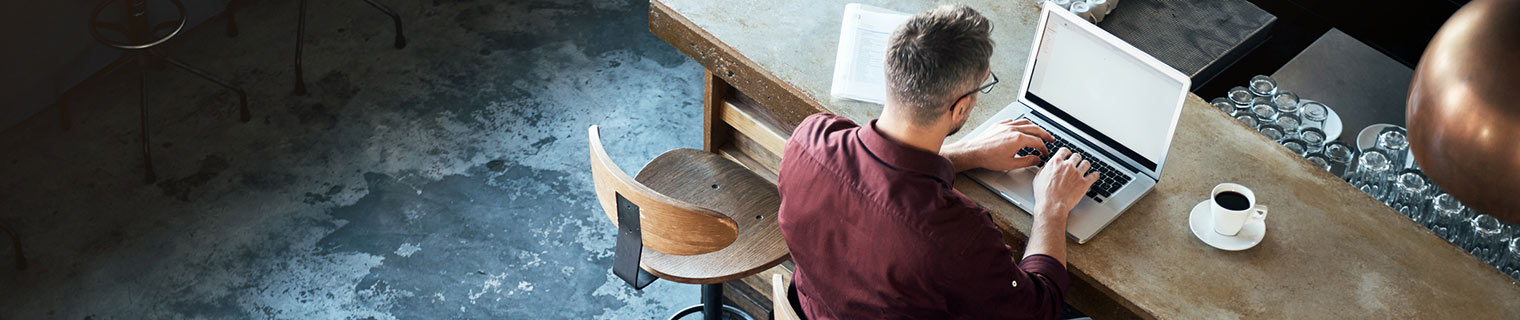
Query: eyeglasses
point(986, 88)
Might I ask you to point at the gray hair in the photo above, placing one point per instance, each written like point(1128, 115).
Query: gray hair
point(933, 56)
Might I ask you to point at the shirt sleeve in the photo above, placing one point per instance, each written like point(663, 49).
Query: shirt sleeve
point(986, 283)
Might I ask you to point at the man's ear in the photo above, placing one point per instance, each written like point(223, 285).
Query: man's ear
point(961, 109)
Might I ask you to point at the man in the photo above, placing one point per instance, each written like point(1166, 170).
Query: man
point(869, 212)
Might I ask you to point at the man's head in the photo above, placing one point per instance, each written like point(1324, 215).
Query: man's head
point(934, 60)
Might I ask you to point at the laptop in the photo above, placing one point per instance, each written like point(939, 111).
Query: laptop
point(1101, 97)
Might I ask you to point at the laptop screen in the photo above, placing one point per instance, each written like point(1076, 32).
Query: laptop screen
point(1104, 92)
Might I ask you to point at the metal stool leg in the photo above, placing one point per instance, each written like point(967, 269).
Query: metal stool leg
point(232, 30)
point(300, 41)
point(149, 176)
point(242, 97)
point(400, 37)
point(712, 307)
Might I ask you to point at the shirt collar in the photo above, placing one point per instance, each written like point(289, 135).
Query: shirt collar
point(905, 157)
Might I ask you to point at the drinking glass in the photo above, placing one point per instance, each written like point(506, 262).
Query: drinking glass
point(1314, 139)
point(1286, 102)
point(1488, 238)
point(1262, 85)
point(1247, 119)
point(1393, 141)
point(1272, 131)
point(1288, 122)
point(1313, 113)
point(1341, 156)
point(1294, 145)
point(1240, 96)
point(1372, 174)
point(1224, 104)
point(1255, 100)
point(1409, 194)
point(1448, 218)
point(1319, 160)
point(1265, 113)
point(1511, 263)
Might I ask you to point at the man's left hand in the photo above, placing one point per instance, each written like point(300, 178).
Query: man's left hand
point(997, 148)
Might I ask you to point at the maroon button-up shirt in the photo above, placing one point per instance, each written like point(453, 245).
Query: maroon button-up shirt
point(878, 232)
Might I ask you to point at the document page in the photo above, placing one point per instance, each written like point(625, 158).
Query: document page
point(859, 72)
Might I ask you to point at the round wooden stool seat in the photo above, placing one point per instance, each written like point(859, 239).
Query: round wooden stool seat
point(713, 182)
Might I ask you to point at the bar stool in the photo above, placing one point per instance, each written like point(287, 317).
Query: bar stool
point(140, 43)
point(232, 31)
point(691, 217)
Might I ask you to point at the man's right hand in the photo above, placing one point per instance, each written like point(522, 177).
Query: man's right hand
point(1059, 185)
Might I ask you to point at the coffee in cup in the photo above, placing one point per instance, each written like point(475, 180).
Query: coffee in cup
point(1233, 206)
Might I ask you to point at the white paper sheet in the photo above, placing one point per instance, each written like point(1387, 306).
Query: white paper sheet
point(859, 72)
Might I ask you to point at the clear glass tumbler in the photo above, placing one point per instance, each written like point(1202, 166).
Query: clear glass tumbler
point(1295, 145)
point(1265, 113)
point(1448, 218)
point(1511, 263)
point(1288, 122)
point(1272, 131)
point(1373, 173)
point(1342, 157)
point(1488, 238)
point(1314, 138)
point(1313, 113)
point(1409, 194)
point(1240, 96)
point(1319, 160)
point(1262, 85)
point(1224, 104)
point(1247, 119)
point(1286, 102)
point(1393, 141)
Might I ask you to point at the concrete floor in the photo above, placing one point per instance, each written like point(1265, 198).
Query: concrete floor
point(445, 180)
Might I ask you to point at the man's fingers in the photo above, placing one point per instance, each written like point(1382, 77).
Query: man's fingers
point(1032, 142)
point(1091, 178)
point(1024, 161)
point(1084, 166)
point(1021, 122)
point(1034, 130)
point(1061, 155)
point(1075, 159)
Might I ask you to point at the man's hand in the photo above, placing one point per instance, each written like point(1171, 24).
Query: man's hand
point(1060, 184)
point(995, 149)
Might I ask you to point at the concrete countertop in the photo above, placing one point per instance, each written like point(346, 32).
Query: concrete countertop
point(1330, 250)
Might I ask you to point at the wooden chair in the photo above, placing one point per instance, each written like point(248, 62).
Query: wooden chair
point(691, 217)
point(784, 300)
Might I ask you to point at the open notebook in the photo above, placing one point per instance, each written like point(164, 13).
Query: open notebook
point(859, 73)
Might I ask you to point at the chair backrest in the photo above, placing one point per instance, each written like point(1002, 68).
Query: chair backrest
point(669, 225)
point(784, 299)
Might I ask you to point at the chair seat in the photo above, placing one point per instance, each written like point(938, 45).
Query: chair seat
point(713, 182)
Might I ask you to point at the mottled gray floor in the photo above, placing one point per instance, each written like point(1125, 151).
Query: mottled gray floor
point(445, 180)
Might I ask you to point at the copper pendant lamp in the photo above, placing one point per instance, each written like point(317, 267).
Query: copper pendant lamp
point(1464, 108)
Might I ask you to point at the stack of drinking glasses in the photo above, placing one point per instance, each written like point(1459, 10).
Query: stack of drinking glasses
point(1297, 124)
point(1386, 171)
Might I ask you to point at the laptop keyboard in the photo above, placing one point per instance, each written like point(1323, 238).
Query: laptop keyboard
point(1109, 180)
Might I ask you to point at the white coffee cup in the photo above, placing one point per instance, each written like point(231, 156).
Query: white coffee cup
point(1234, 206)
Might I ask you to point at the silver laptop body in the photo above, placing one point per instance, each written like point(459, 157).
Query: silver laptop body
point(1140, 159)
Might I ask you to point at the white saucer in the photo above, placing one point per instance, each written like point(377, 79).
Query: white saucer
point(1202, 223)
